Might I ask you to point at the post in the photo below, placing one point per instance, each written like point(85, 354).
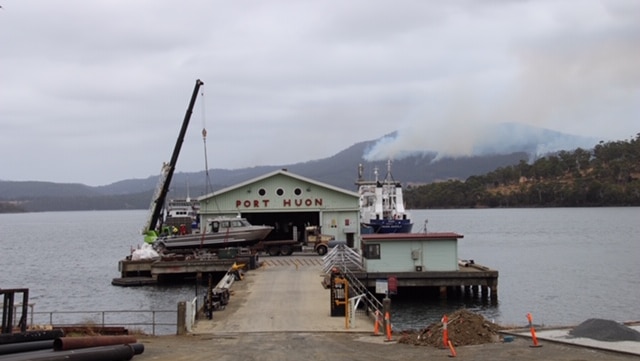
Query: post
point(494, 291)
point(182, 317)
point(443, 292)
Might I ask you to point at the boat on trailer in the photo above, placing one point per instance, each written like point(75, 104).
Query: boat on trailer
point(219, 232)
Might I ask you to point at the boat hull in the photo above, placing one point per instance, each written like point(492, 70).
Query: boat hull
point(387, 226)
point(245, 237)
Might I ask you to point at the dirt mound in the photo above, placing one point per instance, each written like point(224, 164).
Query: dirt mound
point(464, 328)
point(605, 330)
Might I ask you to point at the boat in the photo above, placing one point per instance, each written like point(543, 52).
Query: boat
point(183, 214)
point(220, 232)
point(381, 204)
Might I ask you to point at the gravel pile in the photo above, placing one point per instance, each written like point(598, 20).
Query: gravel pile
point(605, 330)
point(464, 328)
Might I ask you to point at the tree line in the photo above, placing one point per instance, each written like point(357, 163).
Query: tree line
point(607, 175)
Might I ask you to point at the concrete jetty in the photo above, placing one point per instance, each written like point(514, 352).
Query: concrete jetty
point(285, 294)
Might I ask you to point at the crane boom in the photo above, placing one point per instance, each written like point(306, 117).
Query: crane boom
point(160, 195)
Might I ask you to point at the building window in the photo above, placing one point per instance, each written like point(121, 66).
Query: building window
point(372, 251)
point(297, 191)
point(262, 192)
point(280, 192)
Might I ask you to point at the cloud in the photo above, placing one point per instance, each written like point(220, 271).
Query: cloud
point(95, 92)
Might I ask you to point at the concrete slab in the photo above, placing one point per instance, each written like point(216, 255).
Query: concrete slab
point(562, 335)
point(284, 295)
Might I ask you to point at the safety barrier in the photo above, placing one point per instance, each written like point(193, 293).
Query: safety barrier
point(153, 322)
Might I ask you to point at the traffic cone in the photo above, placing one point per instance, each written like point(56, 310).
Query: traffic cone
point(453, 350)
point(445, 332)
point(533, 332)
point(388, 319)
point(376, 325)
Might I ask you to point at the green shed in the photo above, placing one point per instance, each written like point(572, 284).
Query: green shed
point(288, 201)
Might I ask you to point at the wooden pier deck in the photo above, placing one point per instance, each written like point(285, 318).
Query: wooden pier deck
point(150, 272)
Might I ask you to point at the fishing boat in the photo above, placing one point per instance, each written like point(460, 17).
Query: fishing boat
point(381, 204)
point(219, 232)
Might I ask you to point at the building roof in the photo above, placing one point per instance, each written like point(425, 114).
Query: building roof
point(394, 237)
point(273, 174)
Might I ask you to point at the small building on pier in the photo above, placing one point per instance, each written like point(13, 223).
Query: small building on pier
point(424, 260)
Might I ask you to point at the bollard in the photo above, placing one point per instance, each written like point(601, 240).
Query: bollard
point(533, 331)
point(376, 325)
point(445, 332)
point(453, 350)
point(388, 322)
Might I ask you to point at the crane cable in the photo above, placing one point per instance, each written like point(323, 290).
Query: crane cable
point(204, 140)
point(208, 184)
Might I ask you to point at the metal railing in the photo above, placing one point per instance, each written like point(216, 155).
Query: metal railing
point(346, 260)
point(155, 321)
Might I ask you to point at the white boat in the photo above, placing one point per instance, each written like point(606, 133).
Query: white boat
point(382, 205)
point(219, 232)
point(183, 214)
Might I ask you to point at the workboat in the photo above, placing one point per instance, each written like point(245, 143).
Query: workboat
point(219, 232)
point(183, 214)
point(381, 204)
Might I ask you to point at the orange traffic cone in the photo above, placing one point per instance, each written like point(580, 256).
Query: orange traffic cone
point(376, 325)
point(388, 320)
point(445, 332)
point(453, 350)
point(533, 332)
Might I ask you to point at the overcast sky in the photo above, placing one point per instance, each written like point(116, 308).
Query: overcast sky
point(95, 91)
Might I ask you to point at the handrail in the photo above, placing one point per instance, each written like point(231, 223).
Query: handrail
point(140, 317)
point(345, 260)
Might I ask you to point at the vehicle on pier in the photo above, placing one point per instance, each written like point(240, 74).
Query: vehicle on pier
point(312, 240)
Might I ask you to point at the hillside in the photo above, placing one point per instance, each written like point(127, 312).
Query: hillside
point(339, 170)
point(608, 175)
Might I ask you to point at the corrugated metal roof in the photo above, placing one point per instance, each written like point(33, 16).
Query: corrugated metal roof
point(391, 237)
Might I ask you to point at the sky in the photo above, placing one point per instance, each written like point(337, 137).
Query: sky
point(94, 92)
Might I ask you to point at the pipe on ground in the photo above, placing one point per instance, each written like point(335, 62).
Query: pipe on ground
point(30, 336)
point(25, 347)
point(101, 353)
point(72, 343)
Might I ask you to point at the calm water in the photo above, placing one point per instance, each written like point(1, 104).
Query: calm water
point(563, 265)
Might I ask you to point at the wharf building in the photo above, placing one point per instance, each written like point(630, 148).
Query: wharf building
point(290, 202)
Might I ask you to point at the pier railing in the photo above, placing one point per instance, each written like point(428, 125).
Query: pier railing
point(346, 260)
point(151, 322)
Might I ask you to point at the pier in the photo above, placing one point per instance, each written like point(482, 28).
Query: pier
point(473, 281)
point(151, 272)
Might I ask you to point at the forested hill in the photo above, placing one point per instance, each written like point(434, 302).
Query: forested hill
point(608, 175)
point(605, 175)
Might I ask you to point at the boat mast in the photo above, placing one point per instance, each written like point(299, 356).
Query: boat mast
point(160, 195)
